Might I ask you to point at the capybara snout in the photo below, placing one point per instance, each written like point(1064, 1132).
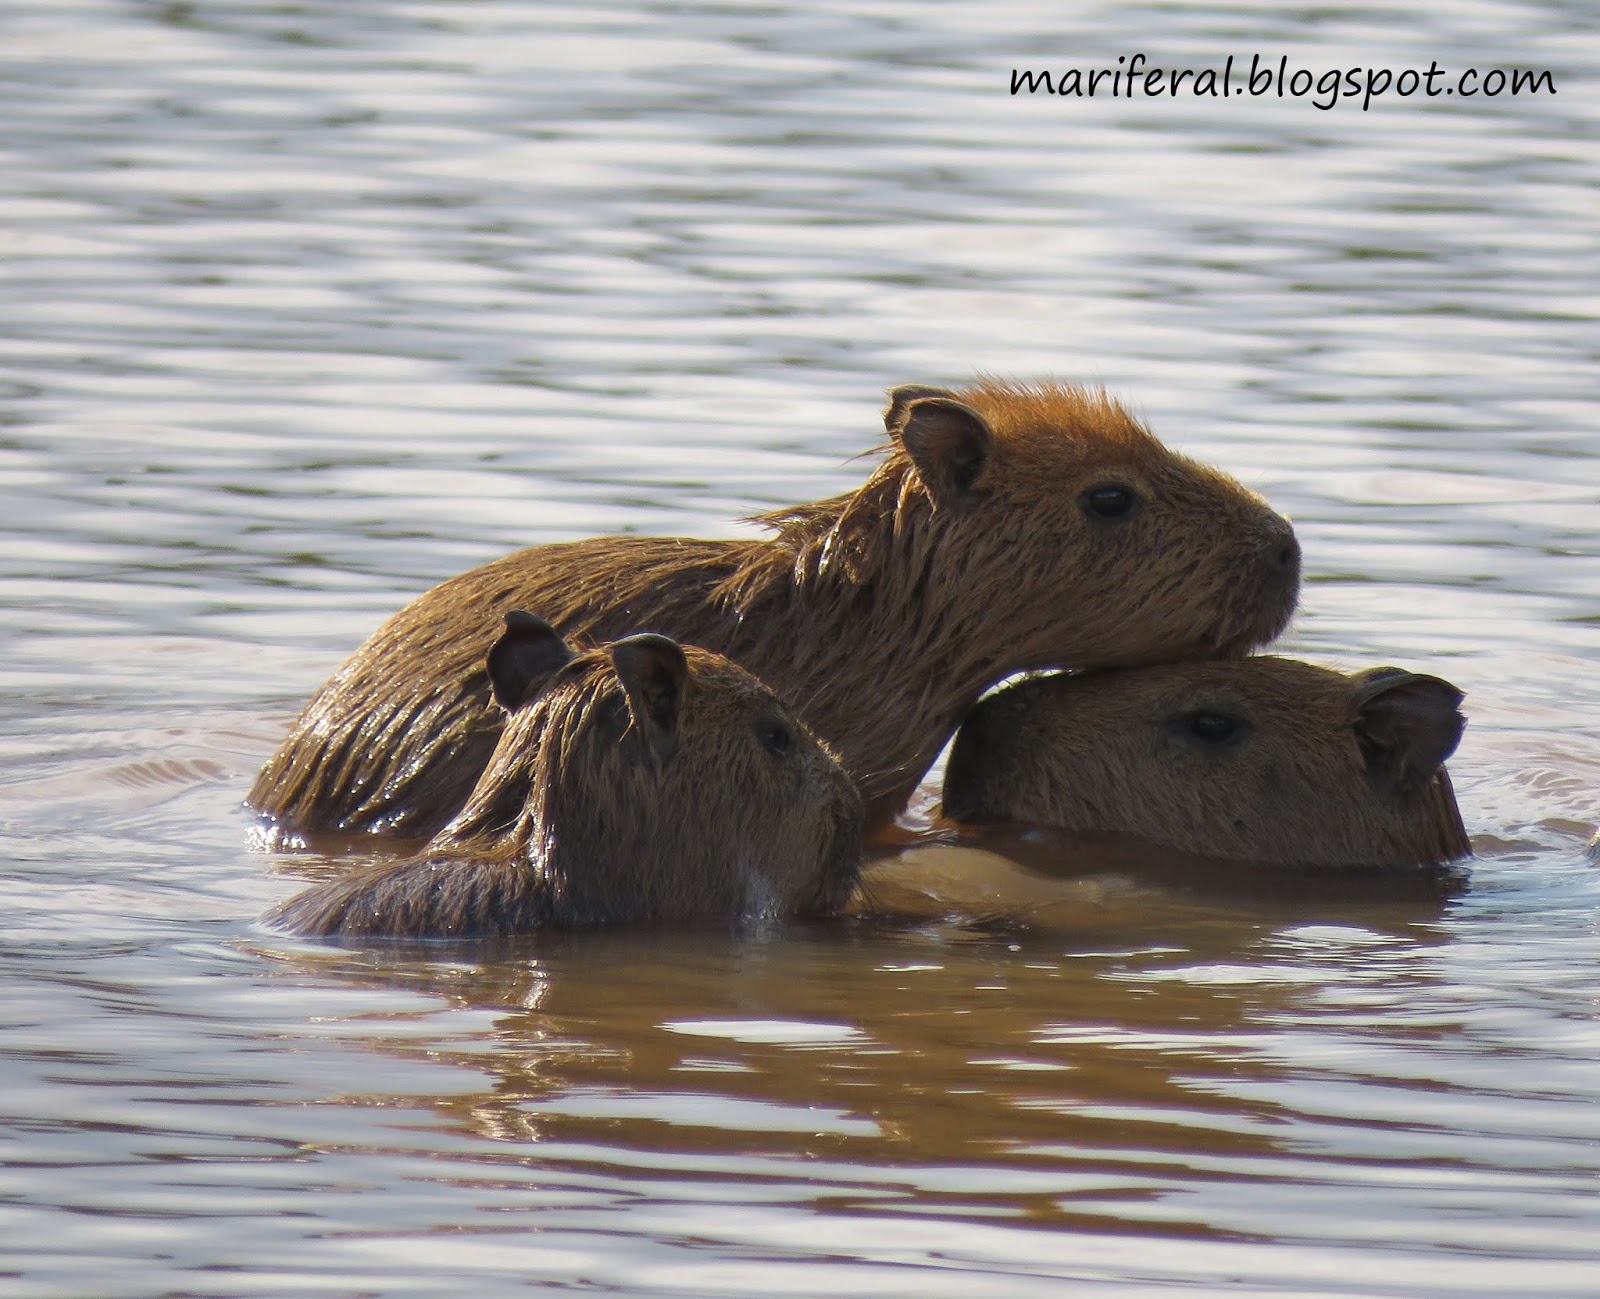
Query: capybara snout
point(1264, 760)
point(642, 782)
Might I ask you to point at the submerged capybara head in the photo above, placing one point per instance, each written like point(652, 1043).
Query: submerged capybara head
point(1262, 760)
point(1155, 556)
point(666, 781)
point(643, 781)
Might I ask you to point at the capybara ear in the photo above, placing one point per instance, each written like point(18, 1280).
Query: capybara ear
point(1406, 725)
point(652, 670)
point(949, 443)
point(529, 649)
point(894, 414)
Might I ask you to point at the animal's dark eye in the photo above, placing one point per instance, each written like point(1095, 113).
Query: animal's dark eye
point(1213, 728)
point(775, 736)
point(1109, 501)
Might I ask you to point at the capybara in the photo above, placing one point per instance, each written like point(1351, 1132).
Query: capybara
point(1269, 761)
point(1008, 527)
point(641, 782)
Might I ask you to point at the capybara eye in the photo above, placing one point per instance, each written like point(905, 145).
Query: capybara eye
point(1109, 501)
point(1213, 728)
point(776, 738)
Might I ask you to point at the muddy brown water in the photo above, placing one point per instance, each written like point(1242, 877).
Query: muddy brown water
point(305, 308)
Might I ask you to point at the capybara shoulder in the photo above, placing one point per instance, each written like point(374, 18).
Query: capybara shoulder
point(1006, 528)
point(641, 782)
point(1262, 760)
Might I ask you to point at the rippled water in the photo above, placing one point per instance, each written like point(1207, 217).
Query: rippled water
point(303, 309)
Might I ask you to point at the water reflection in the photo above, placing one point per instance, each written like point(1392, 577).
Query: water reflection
point(1009, 875)
point(793, 1049)
point(1057, 1034)
point(1170, 1068)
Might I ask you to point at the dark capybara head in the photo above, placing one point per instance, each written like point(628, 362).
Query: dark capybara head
point(668, 781)
point(1175, 559)
point(1262, 760)
point(643, 781)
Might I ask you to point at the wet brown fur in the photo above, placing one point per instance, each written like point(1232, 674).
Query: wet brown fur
point(880, 615)
point(578, 820)
point(1326, 770)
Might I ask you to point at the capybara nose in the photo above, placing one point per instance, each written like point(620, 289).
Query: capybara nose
point(1281, 548)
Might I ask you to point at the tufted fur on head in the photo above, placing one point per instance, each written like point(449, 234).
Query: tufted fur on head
point(641, 782)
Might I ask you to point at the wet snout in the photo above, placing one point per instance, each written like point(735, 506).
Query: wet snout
point(841, 854)
point(1280, 551)
point(1276, 560)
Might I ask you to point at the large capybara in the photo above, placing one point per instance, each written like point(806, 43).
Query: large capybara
point(1262, 760)
point(642, 782)
point(1009, 527)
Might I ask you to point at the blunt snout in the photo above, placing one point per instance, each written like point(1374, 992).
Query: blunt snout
point(1280, 547)
point(1275, 554)
point(1278, 554)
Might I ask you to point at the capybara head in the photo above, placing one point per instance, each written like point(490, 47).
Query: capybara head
point(1172, 558)
point(1263, 760)
point(643, 781)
